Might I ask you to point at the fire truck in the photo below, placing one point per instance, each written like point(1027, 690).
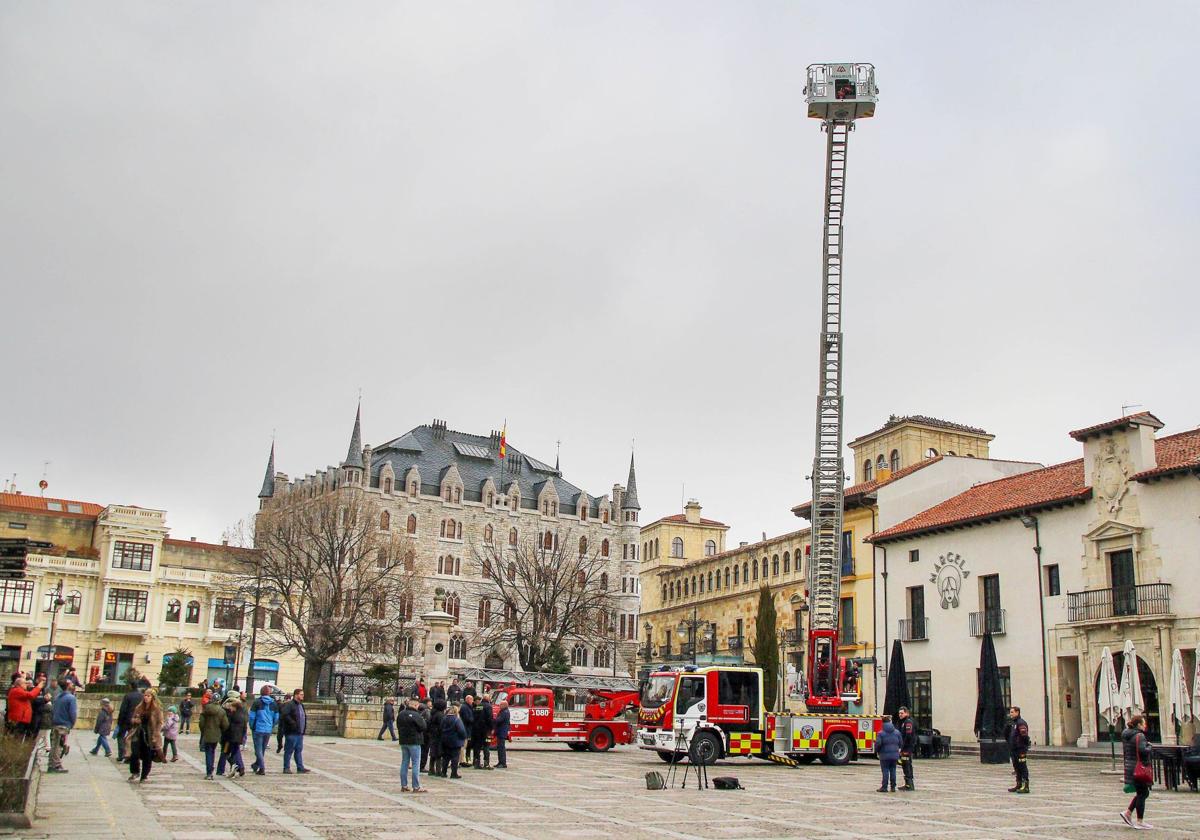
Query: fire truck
point(714, 712)
point(532, 714)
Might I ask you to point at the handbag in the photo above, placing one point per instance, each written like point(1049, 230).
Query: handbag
point(1142, 774)
point(727, 783)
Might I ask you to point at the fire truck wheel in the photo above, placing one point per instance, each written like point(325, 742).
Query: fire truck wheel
point(668, 757)
point(600, 740)
point(577, 746)
point(805, 759)
point(705, 749)
point(839, 749)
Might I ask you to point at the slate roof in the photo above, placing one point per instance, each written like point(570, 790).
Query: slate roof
point(268, 488)
point(433, 452)
point(630, 500)
point(355, 453)
point(899, 420)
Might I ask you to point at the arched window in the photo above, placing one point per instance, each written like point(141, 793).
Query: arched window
point(604, 581)
point(412, 489)
point(192, 616)
point(406, 607)
point(487, 534)
point(582, 546)
point(410, 561)
point(880, 463)
point(513, 501)
point(664, 592)
point(602, 660)
point(457, 495)
point(484, 616)
point(718, 578)
point(604, 548)
point(442, 532)
point(710, 581)
point(604, 516)
point(491, 501)
point(656, 552)
point(75, 602)
point(512, 537)
point(411, 527)
point(931, 452)
point(867, 470)
point(727, 577)
point(453, 606)
point(894, 460)
point(677, 547)
point(736, 576)
point(174, 609)
point(512, 572)
point(787, 562)
point(547, 541)
point(700, 583)
point(385, 521)
point(579, 656)
point(775, 565)
point(581, 579)
point(458, 530)
point(458, 646)
point(710, 548)
point(387, 485)
point(746, 571)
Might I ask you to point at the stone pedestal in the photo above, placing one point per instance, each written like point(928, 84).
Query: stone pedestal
point(437, 645)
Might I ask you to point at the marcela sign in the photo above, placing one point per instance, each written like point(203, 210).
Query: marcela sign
point(948, 574)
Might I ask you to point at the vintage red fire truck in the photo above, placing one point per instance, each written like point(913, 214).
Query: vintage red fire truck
point(532, 716)
point(714, 712)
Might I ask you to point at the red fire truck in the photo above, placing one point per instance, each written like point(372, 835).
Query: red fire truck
point(708, 713)
point(531, 711)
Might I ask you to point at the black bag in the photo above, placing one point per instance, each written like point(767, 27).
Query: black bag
point(655, 781)
point(726, 783)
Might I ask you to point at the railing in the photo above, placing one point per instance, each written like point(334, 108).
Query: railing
point(1119, 602)
point(791, 636)
point(735, 642)
point(913, 630)
point(988, 621)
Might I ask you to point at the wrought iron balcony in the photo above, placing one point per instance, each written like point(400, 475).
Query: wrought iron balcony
point(988, 621)
point(735, 642)
point(1119, 602)
point(791, 636)
point(913, 630)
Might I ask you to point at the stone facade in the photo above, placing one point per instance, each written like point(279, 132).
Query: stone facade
point(133, 596)
point(452, 494)
point(904, 441)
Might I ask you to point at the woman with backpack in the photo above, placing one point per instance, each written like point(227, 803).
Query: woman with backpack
point(1135, 747)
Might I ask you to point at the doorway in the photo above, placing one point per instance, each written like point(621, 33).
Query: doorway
point(1071, 709)
point(1124, 589)
point(1149, 695)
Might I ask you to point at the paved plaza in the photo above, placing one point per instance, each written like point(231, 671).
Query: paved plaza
point(550, 792)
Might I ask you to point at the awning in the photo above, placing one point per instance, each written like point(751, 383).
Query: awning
point(219, 663)
point(265, 665)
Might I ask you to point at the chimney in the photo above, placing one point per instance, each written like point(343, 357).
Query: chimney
point(439, 429)
point(691, 512)
point(224, 542)
point(494, 442)
point(193, 539)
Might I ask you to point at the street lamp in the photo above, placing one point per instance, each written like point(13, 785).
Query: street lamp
point(57, 605)
point(273, 603)
point(648, 651)
point(688, 627)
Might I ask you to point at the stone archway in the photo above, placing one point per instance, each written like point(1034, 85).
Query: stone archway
point(1149, 694)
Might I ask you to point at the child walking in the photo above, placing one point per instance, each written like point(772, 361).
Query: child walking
point(170, 732)
point(103, 728)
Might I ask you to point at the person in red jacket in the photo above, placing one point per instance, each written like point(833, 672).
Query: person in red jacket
point(20, 698)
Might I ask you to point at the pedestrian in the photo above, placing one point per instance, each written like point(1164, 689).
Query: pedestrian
point(468, 690)
point(887, 747)
point(466, 713)
point(212, 726)
point(170, 732)
point(65, 713)
point(234, 738)
point(185, 713)
point(103, 728)
point(1191, 762)
point(73, 678)
point(1018, 747)
point(1135, 748)
point(19, 715)
point(454, 735)
point(411, 727)
point(908, 747)
point(293, 723)
point(431, 757)
point(145, 736)
point(264, 714)
point(437, 691)
point(42, 722)
point(481, 729)
point(129, 702)
point(500, 727)
point(454, 692)
point(389, 719)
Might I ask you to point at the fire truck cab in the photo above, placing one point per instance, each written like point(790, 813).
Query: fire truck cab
point(532, 718)
point(715, 712)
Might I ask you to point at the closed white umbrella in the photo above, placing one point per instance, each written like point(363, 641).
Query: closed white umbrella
point(1196, 690)
point(1180, 702)
point(1131, 684)
point(1109, 701)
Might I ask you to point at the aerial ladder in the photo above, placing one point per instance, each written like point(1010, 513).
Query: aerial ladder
point(837, 94)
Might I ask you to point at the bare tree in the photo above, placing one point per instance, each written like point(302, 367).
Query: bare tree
point(537, 594)
point(334, 575)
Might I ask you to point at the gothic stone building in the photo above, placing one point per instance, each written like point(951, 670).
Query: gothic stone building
point(449, 491)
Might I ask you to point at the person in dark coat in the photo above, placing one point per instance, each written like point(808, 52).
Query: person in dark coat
point(212, 725)
point(500, 726)
point(233, 739)
point(1191, 762)
point(293, 723)
point(185, 714)
point(103, 728)
point(887, 747)
point(454, 692)
point(437, 691)
point(411, 725)
point(125, 718)
point(908, 747)
point(389, 719)
point(42, 720)
point(466, 713)
point(432, 756)
point(454, 735)
point(1134, 746)
point(481, 728)
point(1018, 747)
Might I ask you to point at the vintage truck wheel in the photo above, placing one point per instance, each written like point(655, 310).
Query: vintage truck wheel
point(839, 749)
point(600, 740)
point(705, 749)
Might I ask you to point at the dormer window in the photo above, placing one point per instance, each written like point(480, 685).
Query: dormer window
point(604, 516)
point(412, 489)
point(387, 486)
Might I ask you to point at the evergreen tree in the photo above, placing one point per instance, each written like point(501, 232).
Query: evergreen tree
point(556, 660)
point(765, 647)
point(175, 671)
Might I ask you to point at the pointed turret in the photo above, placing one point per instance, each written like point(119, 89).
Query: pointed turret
point(268, 488)
point(354, 454)
point(630, 500)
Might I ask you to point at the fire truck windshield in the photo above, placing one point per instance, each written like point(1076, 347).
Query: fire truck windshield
point(658, 691)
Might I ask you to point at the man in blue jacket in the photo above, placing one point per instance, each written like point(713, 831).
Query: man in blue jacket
point(264, 714)
point(64, 712)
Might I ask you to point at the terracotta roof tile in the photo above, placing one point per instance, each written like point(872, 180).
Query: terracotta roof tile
point(1141, 418)
point(41, 504)
point(203, 545)
point(1174, 454)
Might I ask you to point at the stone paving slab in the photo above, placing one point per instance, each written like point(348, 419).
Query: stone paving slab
point(354, 793)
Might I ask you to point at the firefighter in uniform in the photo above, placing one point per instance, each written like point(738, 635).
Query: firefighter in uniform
point(1018, 746)
point(908, 746)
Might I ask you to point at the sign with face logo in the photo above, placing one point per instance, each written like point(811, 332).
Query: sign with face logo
point(948, 575)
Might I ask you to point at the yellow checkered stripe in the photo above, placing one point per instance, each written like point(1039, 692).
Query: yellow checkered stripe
point(814, 743)
point(744, 743)
point(866, 741)
point(770, 727)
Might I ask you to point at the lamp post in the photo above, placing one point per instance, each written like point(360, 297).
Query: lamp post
point(688, 628)
point(1031, 521)
point(56, 605)
point(648, 652)
point(273, 603)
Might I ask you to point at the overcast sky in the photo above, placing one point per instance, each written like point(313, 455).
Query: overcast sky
point(600, 221)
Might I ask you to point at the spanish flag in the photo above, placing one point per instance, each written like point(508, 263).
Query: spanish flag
point(504, 439)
